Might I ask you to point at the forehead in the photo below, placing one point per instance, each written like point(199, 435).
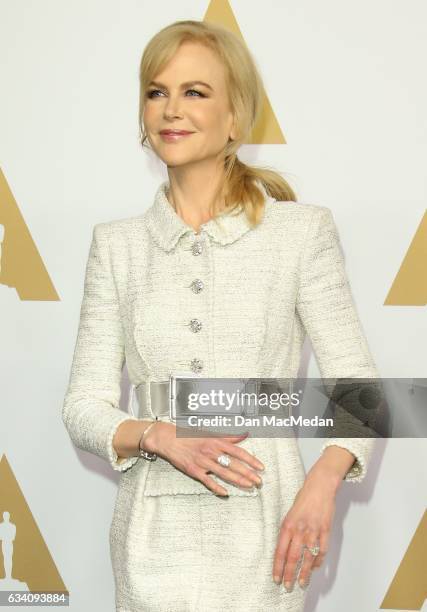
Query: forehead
point(193, 61)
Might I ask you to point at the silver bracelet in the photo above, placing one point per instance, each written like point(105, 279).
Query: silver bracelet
point(142, 453)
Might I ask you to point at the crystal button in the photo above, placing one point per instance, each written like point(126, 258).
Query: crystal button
point(197, 285)
point(196, 247)
point(195, 325)
point(196, 365)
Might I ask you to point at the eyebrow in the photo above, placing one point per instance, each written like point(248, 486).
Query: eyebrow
point(183, 85)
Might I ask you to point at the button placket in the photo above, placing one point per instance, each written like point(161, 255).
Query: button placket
point(197, 286)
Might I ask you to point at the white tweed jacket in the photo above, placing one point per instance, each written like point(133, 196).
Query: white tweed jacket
point(261, 291)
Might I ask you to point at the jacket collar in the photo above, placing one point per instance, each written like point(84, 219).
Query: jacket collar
point(167, 227)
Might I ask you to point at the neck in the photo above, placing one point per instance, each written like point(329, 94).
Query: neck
point(192, 195)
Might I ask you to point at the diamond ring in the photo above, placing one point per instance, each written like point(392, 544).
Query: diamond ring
point(224, 460)
point(314, 550)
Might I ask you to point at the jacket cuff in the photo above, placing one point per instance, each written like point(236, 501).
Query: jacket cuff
point(361, 448)
point(120, 464)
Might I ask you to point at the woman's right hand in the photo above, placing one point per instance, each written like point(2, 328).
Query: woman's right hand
point(197, 457)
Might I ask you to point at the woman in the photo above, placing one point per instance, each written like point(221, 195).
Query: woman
point(222, 276)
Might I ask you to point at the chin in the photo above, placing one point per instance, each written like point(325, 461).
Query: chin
point(178, 160)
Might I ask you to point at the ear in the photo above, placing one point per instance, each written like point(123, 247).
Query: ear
point(233, 131)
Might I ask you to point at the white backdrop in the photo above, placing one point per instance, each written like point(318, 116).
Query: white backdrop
point(345, 83)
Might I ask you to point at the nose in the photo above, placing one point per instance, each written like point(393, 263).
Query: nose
point(172, 107)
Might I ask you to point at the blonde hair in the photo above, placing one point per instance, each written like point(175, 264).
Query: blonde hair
point(242, 181)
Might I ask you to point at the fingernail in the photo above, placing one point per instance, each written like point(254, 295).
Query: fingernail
point(277, 579)
point(288, 586)
point(261, 467)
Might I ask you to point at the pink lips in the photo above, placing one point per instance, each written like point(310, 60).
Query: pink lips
point(173, 136)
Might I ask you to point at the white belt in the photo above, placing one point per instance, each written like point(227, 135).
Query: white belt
point(151, 399)
point(155, 399)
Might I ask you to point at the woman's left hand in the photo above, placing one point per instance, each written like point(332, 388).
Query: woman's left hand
point(308, 523)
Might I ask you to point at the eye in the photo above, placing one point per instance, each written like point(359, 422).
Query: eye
point(151, 92)
point(199, 93)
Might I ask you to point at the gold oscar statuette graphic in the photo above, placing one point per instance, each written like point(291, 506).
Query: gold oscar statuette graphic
point(21, 268)
point(25, 561)
point(408, 590)
point(266, 130)
point(409, 288)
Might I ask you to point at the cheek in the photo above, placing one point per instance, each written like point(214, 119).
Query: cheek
point(211, 117)
point(149, 116)
point(214, 133)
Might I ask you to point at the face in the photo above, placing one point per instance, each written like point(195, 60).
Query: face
point(174, 101)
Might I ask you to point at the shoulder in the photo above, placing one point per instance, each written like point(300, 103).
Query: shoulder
point(281, 208)
point(118, 229)
point(119, 225)
point(296, 215)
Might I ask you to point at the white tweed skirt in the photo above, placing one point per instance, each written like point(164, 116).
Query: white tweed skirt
point(196, 552)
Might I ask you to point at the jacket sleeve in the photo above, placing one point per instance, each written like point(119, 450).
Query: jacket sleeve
point(327, 310)
point(91, 412)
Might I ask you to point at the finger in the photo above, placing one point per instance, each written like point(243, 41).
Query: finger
point(243, 455)
point(284, 541)
point(293, 559)
point(245, 472)
point(230, 474)
point(311, 540)
point(323, 544)
point(212, 485)
point(250, 477)
point(318, 561)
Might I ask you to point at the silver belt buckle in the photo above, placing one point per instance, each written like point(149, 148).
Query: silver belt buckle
point(174, 380)
point(249, 386)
